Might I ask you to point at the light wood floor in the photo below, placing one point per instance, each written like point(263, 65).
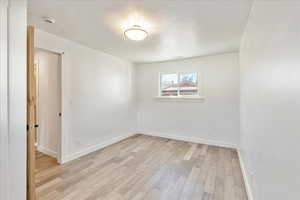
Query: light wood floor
point(44, 162)
point(146, 168)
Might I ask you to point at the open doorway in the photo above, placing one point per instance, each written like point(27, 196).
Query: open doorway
point(44, 97)
point(48, 81)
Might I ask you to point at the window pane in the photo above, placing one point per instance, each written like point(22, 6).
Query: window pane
point(188, 83)
point(168, 84)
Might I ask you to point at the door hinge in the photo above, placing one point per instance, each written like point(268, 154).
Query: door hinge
point(35, 126)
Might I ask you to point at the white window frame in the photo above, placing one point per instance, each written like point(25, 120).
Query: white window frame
point(199, 96)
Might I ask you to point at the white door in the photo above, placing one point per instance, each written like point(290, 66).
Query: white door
point(49, 102)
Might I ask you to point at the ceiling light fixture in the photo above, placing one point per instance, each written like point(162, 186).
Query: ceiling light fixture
point(135, 33)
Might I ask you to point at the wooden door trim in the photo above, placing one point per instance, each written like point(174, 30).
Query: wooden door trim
point(31, 115)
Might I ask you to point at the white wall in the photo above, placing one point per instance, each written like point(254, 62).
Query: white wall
point(16, 185)
point(216, 119)
point(270, 106)
point(98, 95)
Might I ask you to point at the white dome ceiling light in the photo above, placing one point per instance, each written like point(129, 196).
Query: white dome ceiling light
point(136, 33)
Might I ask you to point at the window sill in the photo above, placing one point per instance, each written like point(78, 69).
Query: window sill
point(181, 98)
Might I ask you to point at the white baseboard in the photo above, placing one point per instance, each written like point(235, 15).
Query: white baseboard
point(189, 139)
point(47, 151)
point(96, 147)
point(245, 176)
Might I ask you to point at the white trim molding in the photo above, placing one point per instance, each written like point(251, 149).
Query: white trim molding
point(96, 147)
point(47, 151)
point(245, 176)
point(62, 50)
point(189, 139)
point(63, 139)
point(181, 98)
point(4, 142)
point(17, 82)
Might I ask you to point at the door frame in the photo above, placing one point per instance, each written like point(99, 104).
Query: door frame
point(61, 150)
point(61, 157)
point(4, 142)
point(49, 43)
point(31, 116)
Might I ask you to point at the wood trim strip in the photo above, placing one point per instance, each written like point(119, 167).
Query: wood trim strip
point(31, 115)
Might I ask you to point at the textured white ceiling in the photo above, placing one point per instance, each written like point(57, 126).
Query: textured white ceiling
point(177, 28)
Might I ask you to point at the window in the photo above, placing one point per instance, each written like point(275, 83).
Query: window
point(181, 84)
point(169, 85)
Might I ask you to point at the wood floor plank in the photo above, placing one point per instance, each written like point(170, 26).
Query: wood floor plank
point(144, 168)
